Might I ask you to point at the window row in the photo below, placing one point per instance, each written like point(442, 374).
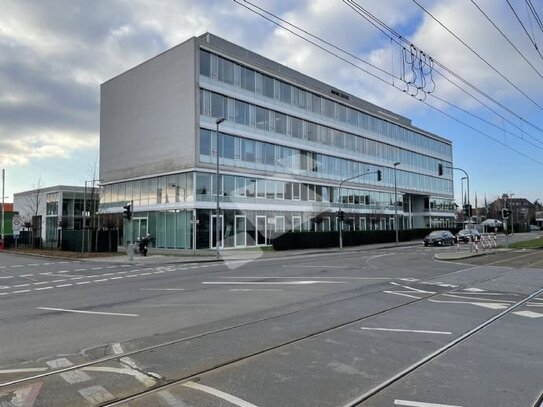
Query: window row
point(249, 187)
point(224, 70)
point(216, 105)
point(245, 153)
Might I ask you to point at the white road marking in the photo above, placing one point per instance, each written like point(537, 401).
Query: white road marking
point(143, 378)
point(26, 275)
point(307, 266)
point(419, 404)
point(87, 312)
point(473, 289)
point(407, 330)
point(117, 348)
point(402, 294)
point(19, 285)
point(43, 288)
point(59, 363)
point(96, 395)
point(99, 281)
point(305, 282)
point(529, 314)
point(63, 285)
point(132, 364)
point(313, 277)
point(477, 298)
point(41, 283)
point(75, 376)
point(170, 399)
point(217, 393)
point(27, 370)
point(491, 305)
point(116, 278)
point(255, 289)
point(162, 289)
point(83, 282)
point(21, 291)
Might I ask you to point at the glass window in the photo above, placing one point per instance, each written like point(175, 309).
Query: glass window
point(205, 63)
point(226, 71)
point(262, 119)
point(280, 123)
point(248, 150)
point(269, 154)
point(203, 184)
point(295, 191)
point(342, 113)
point(229, 185)
point(311, 131)
point(328, 108)
point(297, 127)
point(286, 93)
point(260, 188)
point(267, 86)
point(219, 105)
point(247, 79)
point(242, 113)
point(240, 186)
point(270, 189)
point(205, 142)
point(280, 188)
point(228, 146)
point(250, 186)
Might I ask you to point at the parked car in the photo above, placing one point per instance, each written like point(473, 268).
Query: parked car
point(439, 238)
point(534, 228)
point(466, 234)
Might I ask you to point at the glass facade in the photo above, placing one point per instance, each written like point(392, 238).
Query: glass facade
point(284, 150)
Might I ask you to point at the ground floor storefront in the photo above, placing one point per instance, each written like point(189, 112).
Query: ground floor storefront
point(196, 228)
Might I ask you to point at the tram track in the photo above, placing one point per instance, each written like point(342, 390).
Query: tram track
point(173, 382)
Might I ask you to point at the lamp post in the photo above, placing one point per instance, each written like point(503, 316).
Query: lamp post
point(3, 197)
point(462, 190)
point(217, 216)
point(84, 213)
point(378, 172)
point(396, 203)
point(512, 218)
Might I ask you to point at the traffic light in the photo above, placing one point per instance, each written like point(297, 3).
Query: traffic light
point(440, 169)
point(379, 175)
point(127, 213)
point(340, 215)
point(505, 213)
point(467, 211)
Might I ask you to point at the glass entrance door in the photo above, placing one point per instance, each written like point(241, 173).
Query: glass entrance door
point(241, 231)
point(261, 229)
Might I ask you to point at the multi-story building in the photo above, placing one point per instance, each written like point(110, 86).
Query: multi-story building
point(285, 146)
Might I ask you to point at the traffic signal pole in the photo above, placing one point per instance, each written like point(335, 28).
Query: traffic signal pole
point(340, 215)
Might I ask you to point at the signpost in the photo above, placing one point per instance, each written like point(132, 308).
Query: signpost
point(16, 224)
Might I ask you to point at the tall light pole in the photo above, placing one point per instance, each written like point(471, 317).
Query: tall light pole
point(396, 203)
point(3, 183)
point(462, 191)
point(217, 216)
point(512, 219)
point(84, 213)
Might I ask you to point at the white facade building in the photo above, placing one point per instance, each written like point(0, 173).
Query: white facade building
point(286, 144)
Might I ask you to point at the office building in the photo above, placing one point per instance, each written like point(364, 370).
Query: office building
point(285, 146)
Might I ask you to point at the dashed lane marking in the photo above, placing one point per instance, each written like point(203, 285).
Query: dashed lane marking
point(408, 403)
point(407, 330)
point(529, 314)
point(24, 370)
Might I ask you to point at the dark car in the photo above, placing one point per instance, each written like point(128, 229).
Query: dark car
point(466, 234)
point(439, 238)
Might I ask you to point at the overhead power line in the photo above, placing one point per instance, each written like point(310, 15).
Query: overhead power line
point(507, 39)
point(478, 55)
point(282, 24)
point(532, 40)
point(400, 40)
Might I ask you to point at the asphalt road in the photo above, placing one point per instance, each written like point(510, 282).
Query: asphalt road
point(374, 328)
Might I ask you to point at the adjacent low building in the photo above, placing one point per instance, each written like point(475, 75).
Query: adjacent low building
point(286, 144)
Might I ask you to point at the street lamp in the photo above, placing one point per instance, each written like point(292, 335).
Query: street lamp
point(512, 218)
point(3, 197)
point(217, 216)
point(396, 202)
point(378, 172)
point(462, 191)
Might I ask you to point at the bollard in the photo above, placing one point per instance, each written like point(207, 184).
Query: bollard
point(130, 251)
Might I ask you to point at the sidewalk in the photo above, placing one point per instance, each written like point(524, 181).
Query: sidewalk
point(162, 256)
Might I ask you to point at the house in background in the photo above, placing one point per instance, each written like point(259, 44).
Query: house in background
point(45, 211)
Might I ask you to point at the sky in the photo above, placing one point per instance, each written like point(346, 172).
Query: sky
point(54, 55)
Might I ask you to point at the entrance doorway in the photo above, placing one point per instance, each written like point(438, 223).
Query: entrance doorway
point(212, 237)
point(261, 230)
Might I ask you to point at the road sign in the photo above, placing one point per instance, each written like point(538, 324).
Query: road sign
point(16, 224)
point(195, 221)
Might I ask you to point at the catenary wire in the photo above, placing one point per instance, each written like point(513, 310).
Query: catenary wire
point(261, 12)
point(381, 26)
point(479, 55)
point(523, 27)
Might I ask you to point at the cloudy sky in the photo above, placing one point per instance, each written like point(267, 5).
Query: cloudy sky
point(54, 54)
